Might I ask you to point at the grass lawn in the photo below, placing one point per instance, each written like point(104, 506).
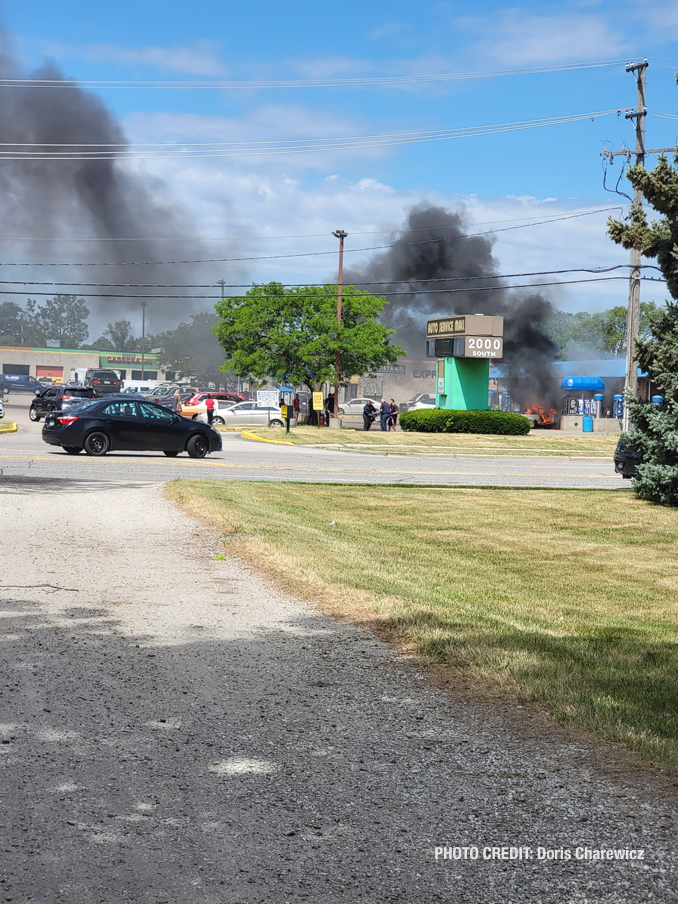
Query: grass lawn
point(565, 599)
point(538, 442)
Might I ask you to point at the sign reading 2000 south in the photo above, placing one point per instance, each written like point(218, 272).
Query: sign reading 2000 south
point(481, 347)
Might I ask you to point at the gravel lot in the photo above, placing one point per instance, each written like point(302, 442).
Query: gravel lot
point(176, 730)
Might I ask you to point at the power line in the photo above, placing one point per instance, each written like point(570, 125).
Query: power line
point(360, 81)
point(387, 282)
point(165, 297)
point(526, 221)
point(315, 145)
point(227, 260)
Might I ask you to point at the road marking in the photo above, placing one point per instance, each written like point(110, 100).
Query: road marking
point(217, 464)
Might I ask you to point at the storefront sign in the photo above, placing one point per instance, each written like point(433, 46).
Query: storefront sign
point(318, 401)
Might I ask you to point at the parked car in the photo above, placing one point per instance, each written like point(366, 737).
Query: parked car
point(407, 406)
point(244, 414)
point(354, 407)
point(424, 401)
point(57, 398)
point(112, 425)
point(193, 408)
point(102, 381)
point(198, 397)
point(625, 461)
point(20, 383)
point(2, 409)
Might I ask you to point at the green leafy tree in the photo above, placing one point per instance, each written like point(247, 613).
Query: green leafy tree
point(192, 350)
point(655, 435)
point(62, 318)
point(603, 332)
point(11, 322)
point(291, 334)
point(121, 336)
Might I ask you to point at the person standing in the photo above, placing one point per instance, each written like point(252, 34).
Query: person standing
point(369, 414)
point(209, 405)
point(384, 414)
point(329, 408)
point(393, 420)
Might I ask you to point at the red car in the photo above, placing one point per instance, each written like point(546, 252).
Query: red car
point(199, 397)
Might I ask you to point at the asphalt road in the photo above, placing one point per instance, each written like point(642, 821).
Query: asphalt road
point(24, 454)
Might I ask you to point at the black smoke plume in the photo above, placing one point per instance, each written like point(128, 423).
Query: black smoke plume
point(433, 246)
point(84, 199)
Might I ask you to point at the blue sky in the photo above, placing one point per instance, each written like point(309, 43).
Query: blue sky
point(531, 173)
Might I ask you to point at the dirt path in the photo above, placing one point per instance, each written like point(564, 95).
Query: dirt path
point(175, 730)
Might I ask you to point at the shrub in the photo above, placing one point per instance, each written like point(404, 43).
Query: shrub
point(440, 420)
point(427, 420)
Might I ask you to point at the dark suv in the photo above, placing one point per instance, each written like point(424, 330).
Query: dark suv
point(625, 461)
point(58, 398)
point(102, 381)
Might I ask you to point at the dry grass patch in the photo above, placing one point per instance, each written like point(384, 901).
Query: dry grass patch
point(539, 442)
point(563, 598)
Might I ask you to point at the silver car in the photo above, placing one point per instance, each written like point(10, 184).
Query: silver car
point(244, 414)
point(354, 407)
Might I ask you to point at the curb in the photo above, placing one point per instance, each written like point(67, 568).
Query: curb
point(11, 427)
point(261, 439)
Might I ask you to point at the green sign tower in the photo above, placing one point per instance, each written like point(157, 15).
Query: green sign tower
point(464, 345)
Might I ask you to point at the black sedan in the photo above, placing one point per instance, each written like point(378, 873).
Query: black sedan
point(106, 425)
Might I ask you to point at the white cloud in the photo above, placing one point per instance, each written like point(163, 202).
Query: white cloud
point(514, 38)
point(200, 58)
point(243, 205)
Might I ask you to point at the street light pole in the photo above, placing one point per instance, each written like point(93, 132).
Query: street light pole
point(341, 235)
point(144, 305)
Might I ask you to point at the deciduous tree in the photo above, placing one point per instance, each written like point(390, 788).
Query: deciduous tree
point(292, 334)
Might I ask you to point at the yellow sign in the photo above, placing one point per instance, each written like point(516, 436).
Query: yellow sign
point(283, 410)
point(318, 401)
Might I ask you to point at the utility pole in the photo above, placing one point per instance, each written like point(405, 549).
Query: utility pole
point(144, 305)
point(639, 71)
point(341, 235)
point(222, 283)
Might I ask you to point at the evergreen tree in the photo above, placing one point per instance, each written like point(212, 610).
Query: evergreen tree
point(655, 433)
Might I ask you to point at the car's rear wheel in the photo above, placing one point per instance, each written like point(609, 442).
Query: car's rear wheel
point(197, 446)
point(170, 453)
point(72, 450)
point(218, 420)
point(33, 414)
point(341, 411)
point(97, 443)
point(275, 423)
